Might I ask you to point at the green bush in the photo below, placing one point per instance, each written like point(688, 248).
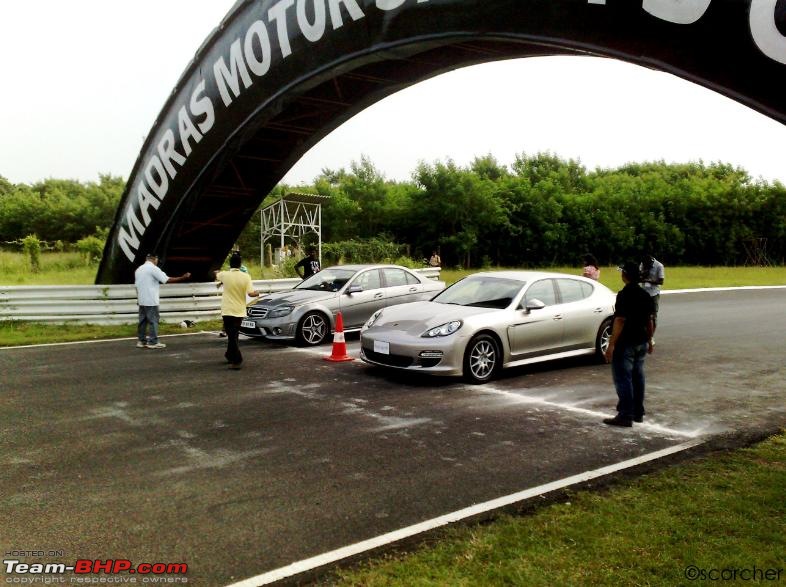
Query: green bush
point(286, 268)
point(373, 250)
point(91, 249)
point(32, 248)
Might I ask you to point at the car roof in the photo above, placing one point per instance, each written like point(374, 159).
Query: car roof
point(360, 267)
point(526, 275)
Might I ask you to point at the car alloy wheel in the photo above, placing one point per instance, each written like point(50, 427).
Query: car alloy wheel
point(603, 338)
point(313, 329)
point(481, 359)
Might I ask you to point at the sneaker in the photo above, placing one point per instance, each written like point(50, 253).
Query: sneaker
point(619, 421)
point(140, 344)
point(235, 366)
point(158, 345)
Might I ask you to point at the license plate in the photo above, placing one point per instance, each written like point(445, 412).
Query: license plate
point(248, 324)
point(383, 348)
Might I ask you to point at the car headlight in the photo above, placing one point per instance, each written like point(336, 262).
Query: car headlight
point(444, 329)
point(280, 312)
point(374, 317)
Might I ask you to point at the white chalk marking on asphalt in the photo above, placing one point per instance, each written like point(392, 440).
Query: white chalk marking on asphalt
point(75, 342)
point(526, 399)
point(360, 547)
point(202, 459)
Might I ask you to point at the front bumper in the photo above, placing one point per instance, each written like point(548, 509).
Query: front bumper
point(273, 329)
point(436, 356)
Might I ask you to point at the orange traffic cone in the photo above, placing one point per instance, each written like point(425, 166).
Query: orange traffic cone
point(339, 344)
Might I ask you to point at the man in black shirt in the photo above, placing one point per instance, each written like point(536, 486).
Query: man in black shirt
point(310, 265)
point(631, 341)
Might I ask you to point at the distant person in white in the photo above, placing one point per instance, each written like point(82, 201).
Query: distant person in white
point(652, 277)
point(148, 278)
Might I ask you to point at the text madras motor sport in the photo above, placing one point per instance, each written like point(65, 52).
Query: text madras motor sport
point(86, 566)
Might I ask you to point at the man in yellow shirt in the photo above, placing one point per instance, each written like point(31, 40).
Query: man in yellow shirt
point(233, 305)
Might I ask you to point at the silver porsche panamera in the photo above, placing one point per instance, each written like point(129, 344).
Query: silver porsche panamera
point(308, 312)
point(492, 320)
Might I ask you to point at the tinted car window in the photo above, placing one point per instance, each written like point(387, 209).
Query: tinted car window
point(542, 290)
point(394, 277)
point(411, 279)
point(481, 292)
point(331, 279)
point(572, 290)
point(368, 280)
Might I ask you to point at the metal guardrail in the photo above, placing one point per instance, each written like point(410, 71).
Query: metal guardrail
point(117, 304)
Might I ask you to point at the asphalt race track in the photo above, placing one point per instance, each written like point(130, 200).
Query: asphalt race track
point(113, 452)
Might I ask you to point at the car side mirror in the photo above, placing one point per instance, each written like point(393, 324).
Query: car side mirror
point(354, 289)
point(534, 304)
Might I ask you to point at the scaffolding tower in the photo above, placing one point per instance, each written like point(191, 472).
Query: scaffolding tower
point(294, 216)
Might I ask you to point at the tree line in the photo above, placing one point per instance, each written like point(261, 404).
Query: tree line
point(541, 210)
point(58, 210)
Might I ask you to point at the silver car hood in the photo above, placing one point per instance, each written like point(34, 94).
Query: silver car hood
point(296, 297)
point(420, 316)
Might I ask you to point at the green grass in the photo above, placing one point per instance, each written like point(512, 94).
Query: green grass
point(70, 269)
point(676, 277)
point(56, 269)
point(724, 511)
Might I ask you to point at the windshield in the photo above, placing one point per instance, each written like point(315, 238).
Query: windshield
point(330, 279)
point(482, 292)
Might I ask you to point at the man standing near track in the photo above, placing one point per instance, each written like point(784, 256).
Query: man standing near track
point(233, 306)
point(631, 341)
point(148, 279)
point(652, 277)
point(309, 265)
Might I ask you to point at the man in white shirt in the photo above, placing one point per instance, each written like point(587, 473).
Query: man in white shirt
point(148, 279)
point(652, 277)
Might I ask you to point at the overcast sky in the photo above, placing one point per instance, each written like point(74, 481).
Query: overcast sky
point(83, 80)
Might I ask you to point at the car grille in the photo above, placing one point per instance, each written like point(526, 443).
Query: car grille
point(392, 360)
point(258, 312)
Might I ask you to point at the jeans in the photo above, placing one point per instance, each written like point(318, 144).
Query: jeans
point(232, 328)
point(148, 318)
point(627, 369)
point(656, 303)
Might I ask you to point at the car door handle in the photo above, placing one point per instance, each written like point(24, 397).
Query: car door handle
point(557, 317)
point(598, 310)
point(413, 289)
point(379, 295)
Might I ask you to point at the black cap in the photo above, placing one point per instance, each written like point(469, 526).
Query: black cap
point(631, 269)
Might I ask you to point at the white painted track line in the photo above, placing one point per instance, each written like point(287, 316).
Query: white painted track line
point(710, 289)
point(385, 539)
point(520, 398)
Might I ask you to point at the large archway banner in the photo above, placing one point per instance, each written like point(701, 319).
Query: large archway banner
point(278, 75)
